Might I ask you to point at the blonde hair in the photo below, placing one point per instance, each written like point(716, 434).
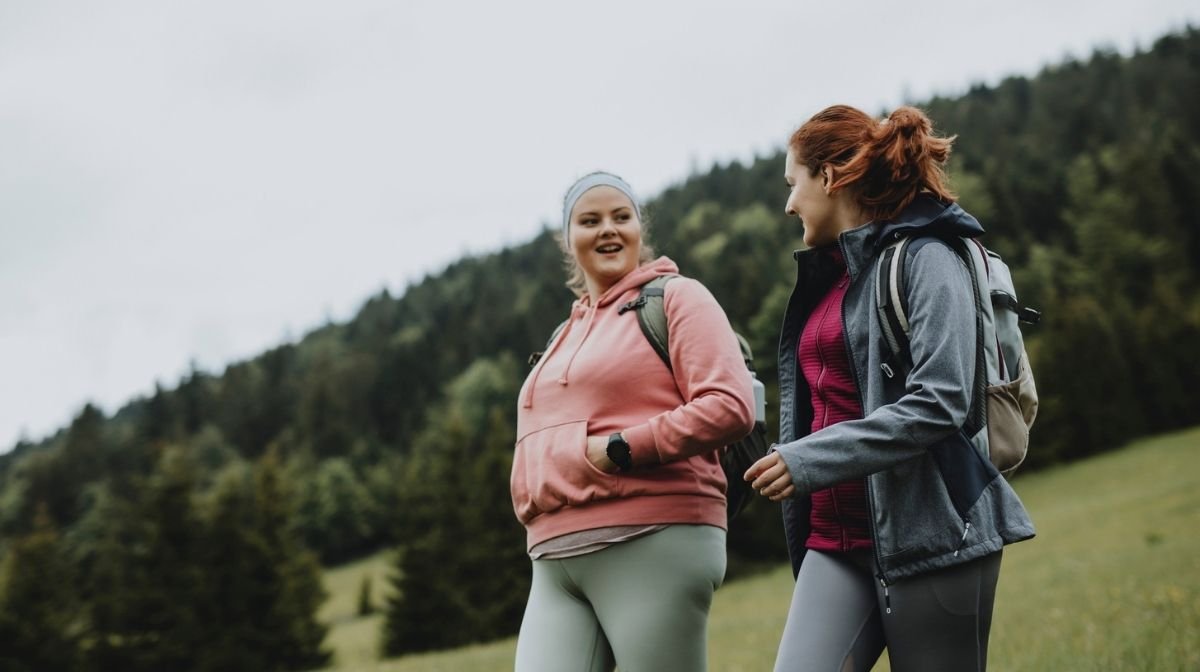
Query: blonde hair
point(576, 282)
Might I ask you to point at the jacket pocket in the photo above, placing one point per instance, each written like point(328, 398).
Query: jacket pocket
point(965, 473)
point(551, 470)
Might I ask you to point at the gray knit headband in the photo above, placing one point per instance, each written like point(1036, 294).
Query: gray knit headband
point(591, 181)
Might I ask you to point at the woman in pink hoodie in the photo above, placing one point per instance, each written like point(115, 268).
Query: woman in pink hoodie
point(616, 474)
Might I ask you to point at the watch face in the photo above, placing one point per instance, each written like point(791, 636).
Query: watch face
point(618, 452)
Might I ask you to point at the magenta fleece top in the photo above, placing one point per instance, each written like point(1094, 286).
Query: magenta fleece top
point(840, 518)
point(600, 376)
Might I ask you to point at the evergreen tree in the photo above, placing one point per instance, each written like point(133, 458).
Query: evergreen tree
point(264, 586)
point(463, 557)
point(296, 635)
point(233, 590)
point(426, 593)
point(366, 605)
point(55, 480)
point(195, 400)
point(335, 511)
point(39, 618)
point(149, 581)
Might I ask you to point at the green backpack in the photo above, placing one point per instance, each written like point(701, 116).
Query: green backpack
point(737, 457)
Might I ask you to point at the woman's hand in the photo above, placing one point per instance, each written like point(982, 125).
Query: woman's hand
point(771, 478)
point(597, 454)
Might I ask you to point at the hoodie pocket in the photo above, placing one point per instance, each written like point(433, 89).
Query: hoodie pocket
point(551, 470)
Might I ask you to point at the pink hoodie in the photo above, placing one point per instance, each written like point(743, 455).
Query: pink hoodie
point(601, 376)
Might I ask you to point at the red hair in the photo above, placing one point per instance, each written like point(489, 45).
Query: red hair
point(885, 163)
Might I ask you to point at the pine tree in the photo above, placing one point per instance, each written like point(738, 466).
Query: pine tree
point(265, 584)
point(425, 595)
point(463, 557)
point(55, 480)
point(294, 635)
point(39, 623)
point(149, 583)
point(366, 606)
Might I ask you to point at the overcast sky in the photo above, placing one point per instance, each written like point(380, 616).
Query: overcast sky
point(199, 181)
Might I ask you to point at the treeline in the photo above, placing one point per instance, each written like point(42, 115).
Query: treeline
point(161, 573)
point(179, 524)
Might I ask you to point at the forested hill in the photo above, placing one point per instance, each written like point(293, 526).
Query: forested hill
point(396, 427)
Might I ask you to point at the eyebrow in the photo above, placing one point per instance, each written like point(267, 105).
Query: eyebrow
point(597, 212)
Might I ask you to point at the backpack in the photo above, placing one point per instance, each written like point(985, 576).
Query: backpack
point(737, 457)
point(1004, 398)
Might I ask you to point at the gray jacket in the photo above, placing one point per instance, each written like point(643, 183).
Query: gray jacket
point(935, 499)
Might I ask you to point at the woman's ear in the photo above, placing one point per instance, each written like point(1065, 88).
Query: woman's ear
point(826, 177)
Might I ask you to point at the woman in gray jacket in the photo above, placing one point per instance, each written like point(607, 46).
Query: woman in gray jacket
point(894, 519)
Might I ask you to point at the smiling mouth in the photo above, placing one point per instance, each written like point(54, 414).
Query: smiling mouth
point(609, 249)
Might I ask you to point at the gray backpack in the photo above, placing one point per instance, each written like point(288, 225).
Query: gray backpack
point(1004, 400)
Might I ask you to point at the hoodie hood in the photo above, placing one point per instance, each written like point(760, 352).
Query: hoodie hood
point(582, 307)
point(927, 215)
point(635, 278)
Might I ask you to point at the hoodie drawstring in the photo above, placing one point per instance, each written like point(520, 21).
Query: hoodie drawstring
point(562, 337)
point(587, 329)
point(636, 278)
point(537, 369)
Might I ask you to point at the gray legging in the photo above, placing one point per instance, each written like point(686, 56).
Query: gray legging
point(837, 622)
point(640, 604)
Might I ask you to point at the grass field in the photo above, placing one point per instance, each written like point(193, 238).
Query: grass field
point(354, 638)
point(1112, 581)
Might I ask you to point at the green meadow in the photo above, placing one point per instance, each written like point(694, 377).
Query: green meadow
point(1112, 581)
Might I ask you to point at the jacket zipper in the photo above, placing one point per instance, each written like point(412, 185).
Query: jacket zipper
point(963, 542)
point(882, 576)
point(795, 359)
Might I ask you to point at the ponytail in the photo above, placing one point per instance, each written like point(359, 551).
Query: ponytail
point(884, 164)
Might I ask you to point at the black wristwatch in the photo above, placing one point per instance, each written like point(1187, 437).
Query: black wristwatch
point(618, 452)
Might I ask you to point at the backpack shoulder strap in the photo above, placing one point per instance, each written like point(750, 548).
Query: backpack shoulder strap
point(889, 298)
point(652, 318)
point(652, 315)
point(557, 330)
point(536, 357)
point(890, 294)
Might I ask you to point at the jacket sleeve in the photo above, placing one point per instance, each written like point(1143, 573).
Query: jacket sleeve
point(937, 394)
point(706, 361)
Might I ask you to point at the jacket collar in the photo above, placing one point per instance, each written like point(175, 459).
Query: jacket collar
point(926, 215)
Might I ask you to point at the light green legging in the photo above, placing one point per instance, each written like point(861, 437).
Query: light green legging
point(641, 605)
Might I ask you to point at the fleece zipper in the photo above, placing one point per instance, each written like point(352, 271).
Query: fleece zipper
point(858, 384)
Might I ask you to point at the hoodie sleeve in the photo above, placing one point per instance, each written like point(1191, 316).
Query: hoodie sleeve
point(937, 391)
point(706, 360)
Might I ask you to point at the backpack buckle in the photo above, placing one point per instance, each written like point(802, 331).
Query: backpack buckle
point(632, 305)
